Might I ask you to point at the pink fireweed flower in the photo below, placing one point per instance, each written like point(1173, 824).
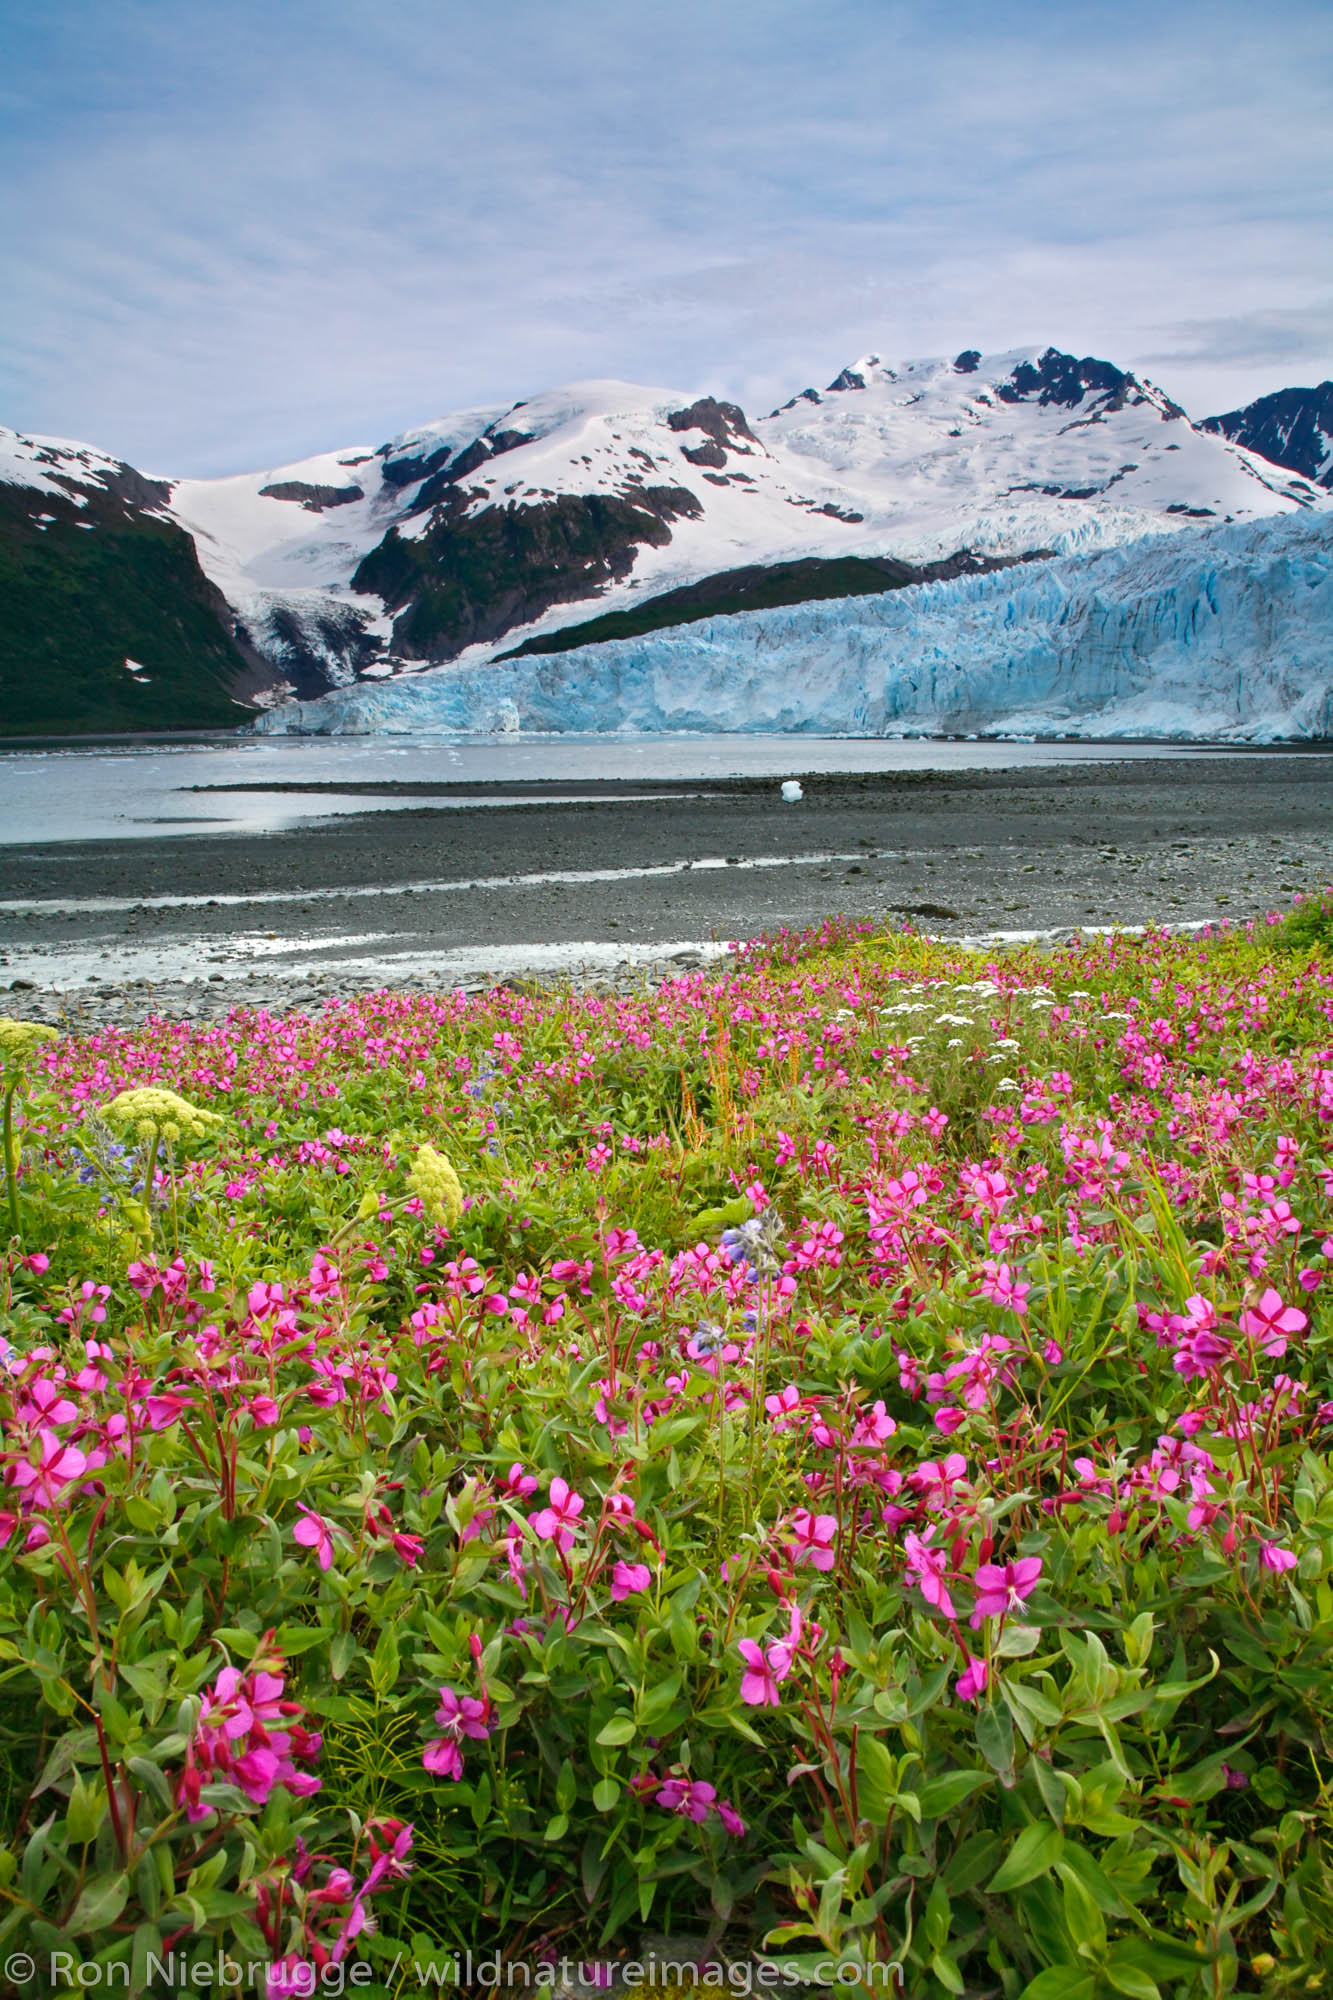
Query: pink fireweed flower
point(971, 1683)
point(926, 1567)
point(459, 1716)
point(731, 1820)
point(874, 1426)
point(1200, 1353)
point(312, 1532)
point(1270, 1322)
point(1001, 1590)
point(520, 1485)
point(1276, 1558)
point(1002, 1286)
point(815, 1535)
point(627, 1578)
point(781, 1406)
point(557, 1521)
point(764, 1669)
point(690, 1797)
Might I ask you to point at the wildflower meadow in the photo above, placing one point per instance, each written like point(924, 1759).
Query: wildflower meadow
point(828, 1454)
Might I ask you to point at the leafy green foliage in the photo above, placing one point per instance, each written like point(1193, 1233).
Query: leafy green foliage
point(852, 1476)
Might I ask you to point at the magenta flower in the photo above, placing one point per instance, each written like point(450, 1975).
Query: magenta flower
point(628, 1578)
point(972, 1681)
point(1276, 1558)
point(815, 1535)
point(458, 1716)
point(1001, 1590)
point(291, 1978)
point(926, 1568)
point(691, 1798)
point(557, 1521)
point(1270, 1322)
point(763, 1671)
point(312, 1531)
point(731, 1820)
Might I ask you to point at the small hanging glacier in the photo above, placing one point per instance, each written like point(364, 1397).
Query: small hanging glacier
point(1219, 633)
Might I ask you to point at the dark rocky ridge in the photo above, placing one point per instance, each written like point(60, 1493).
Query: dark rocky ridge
point(471, 578)
point(761, 587)
point(314, 499)
point(1292, 427)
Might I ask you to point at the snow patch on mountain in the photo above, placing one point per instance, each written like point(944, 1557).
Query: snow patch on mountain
point(1209, 634)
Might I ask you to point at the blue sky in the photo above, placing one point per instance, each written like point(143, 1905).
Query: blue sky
point(233, 232)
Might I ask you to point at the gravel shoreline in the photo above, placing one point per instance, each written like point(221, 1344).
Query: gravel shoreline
point(624, 889)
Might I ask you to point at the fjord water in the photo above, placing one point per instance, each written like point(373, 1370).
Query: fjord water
point(151, 790)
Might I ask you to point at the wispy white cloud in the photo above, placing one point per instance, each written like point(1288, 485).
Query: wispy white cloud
point(239, 232)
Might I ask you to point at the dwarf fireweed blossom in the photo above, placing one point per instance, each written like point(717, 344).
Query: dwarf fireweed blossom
point(558, 1520)
point(459, 1717)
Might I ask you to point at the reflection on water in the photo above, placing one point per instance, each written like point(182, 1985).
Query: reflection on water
point(139, 791)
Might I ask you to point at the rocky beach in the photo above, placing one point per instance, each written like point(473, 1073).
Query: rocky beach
point(619, 887)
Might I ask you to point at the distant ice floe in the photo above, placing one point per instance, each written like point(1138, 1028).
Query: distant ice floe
point(1214, 634)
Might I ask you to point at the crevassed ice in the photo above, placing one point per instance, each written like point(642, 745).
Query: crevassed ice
point(1220, 633)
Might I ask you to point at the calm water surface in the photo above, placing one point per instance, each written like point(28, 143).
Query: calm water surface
point(138, 791)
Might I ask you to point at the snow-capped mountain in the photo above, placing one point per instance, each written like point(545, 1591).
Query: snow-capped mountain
point(519, 528)
point(1292, 427)
point(497, 525)
point(1217, 632)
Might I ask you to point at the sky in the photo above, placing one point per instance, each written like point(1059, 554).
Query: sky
point(237, 232)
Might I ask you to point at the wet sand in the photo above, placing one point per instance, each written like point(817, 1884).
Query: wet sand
point(466, 894)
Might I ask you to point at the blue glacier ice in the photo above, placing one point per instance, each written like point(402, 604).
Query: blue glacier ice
point(1220, 632)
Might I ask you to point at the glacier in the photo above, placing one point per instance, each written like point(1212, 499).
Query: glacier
point(1217, 633)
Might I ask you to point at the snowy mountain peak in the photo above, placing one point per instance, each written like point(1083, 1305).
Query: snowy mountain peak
point(495, 527)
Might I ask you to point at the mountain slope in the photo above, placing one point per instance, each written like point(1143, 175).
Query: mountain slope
point(593, 511)
point(1292, 427)
point(1221, 633)
point(108, 621)
point(507, 524)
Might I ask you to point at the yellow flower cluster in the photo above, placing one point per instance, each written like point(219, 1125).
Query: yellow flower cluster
point(148, 1109)
point(18, 1039)
point(433, 1180)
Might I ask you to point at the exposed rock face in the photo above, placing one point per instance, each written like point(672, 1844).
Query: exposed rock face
point(723, 422)
point(1292, 427)
point(474, 577)
point(109, 623)
point(313, 498)
point(761, 586)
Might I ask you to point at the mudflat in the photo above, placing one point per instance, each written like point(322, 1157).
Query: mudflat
point(417, 891)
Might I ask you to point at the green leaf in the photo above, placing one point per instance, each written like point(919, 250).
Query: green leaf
point(1061, 1982)
point(384, 1662)
point(566, 1787)
point(101, 1903)
point(1016, 1641)
point(995, 1738)
point(941, 1795)
point(84, 1813)
point(1036, 1850)
point(342, 1653)
point(620, 1729)
point(606, 1794)
point(1128, 1979)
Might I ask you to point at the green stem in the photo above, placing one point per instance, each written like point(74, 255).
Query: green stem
point(11, 1174)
